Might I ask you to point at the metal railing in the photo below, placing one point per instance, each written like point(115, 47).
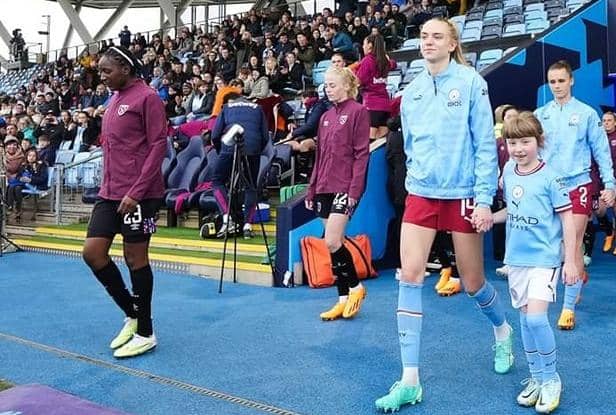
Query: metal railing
point(71, 179)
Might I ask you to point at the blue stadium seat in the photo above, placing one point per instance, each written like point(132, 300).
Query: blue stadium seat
point(537, 26)
point(491, 32)
point(515, 29)
point(535, 15)
point(493, 13)
point(170, 159)
point(471, 35)
point(514, 18)
point(471, 58)
point(411, 44)
point(190, 162)
point(534, 6)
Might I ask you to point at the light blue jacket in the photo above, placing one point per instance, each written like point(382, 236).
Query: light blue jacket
point(573, 133)
point(449, 136)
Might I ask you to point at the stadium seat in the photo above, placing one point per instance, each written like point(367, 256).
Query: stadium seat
point(411, 44)
point(494, 5)
point(493, 13)
point(190, 162)
point(471, 58)
point(170, 159)
point(537, 26)
point(41, 193)
point(491, 32)
point(513, 18)
point(476, 15)
point(514, 30)
point(415, 67)
point(534, 6)
point(73, 175)
point(64, 156)
point(512, 3)
point(535, 15)
point(513, 10)
point(471, 35)
point(473, 24)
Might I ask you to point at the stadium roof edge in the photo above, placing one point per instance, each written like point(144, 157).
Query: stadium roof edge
point(114, 4)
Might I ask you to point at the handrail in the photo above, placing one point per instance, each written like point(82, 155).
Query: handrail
point(59, 171)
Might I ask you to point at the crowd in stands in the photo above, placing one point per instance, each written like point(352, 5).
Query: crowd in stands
point(268, 56)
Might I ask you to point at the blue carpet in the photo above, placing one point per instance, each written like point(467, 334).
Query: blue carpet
point(267, 345)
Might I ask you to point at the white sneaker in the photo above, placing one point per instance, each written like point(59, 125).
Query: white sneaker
point(549, 397)
point(247, 231)
point(138, 345)
point(530, 394)
point(503, 271)
point(127, 332)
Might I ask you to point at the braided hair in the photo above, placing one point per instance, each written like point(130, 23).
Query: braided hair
point(124, 57)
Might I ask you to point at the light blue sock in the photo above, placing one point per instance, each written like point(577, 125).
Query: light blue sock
point(409, 322)
point(489, 303)
point(546, 345)
point(571, 293)
point(530, 349)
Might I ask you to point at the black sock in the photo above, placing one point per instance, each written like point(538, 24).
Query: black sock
point(342, 265)
point(143, 283)
point(589, 238)
point(605, 225)
point(111, 278)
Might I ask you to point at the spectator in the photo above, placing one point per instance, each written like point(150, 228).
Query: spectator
point(245, 49)
point(372, 73)
point(260, 88)
point(303, 138)
point(341, 42)
point(13, 161)
point(17, 45)
point(47, 154)
point(201, 102)
point(125, 37)
point(292, 73)
point(305, 53)
point(84, 136)
point(358, 31)
point(246, 77)
point(284, 46)
point(65, 96)
point(25, 126)
point(50, 127)
point(273, 75)
point(226, 65)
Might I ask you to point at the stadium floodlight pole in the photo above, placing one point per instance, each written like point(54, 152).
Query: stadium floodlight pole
point(47, 33)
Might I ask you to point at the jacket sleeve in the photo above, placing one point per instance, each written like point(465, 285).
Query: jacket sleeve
point(597, 139)
point(482, 134)
point(360, 141)
point(155, 124)
point(311, 125)
point(364, 72)
point(40, 178)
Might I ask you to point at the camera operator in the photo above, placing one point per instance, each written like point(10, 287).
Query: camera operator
point(17, 45)
point(52, 129)
point(238, 110)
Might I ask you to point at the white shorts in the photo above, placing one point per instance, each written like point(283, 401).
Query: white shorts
point(532, 282)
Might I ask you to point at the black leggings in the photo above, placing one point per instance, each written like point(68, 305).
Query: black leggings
point(14, 196)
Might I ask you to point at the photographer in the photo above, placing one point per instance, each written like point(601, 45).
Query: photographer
point(238, 110)
point(50, 127)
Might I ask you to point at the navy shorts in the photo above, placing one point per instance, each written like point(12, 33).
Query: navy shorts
point(135, 227)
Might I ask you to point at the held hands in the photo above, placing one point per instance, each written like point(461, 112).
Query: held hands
point(608, 196)
point(482, 219)
point(127, 205)
point(570, 273)
point(351, 202)
point(308, 204)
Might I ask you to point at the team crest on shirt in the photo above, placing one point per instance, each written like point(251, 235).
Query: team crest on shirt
point(574, 120)
point(122, 109)
point(613, 143)
point(517, 192)
point(343, 119)
point(454, 98)
point(325, 123)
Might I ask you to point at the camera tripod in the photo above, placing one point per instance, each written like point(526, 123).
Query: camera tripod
point(241, 179)
point(5, 242)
